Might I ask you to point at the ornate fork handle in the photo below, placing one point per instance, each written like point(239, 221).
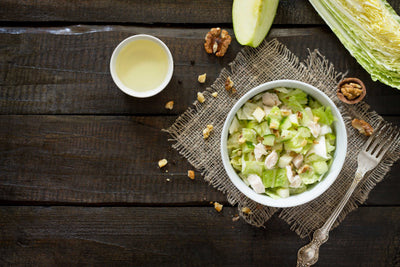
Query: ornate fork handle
point(308, 255)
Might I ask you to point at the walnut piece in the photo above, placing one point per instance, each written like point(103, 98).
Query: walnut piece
point(202, 78)
point(169, 105)
point(162, 163)
point(207, 131)
point(303, 169)
point(218, 207)
point(351, 90)
point(191, 174)
point(362, 126)
point(217, 42)
point(229, 85)
point(200, 97)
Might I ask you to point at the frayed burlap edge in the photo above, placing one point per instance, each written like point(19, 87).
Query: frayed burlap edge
point(273, 61)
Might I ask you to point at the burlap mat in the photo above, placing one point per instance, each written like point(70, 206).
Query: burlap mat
point(273, 61)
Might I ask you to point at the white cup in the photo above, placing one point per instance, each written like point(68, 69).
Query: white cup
point(131, 91)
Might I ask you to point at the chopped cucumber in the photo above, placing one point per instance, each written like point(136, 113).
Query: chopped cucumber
point(269, 140)
point(320, 167)
point(284, 160)
point(285, 123)
point(283, 192)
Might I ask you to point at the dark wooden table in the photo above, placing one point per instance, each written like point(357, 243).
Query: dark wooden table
point(79, 181)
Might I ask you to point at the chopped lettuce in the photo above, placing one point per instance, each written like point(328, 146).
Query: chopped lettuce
point(296, 124)
point(324, 114)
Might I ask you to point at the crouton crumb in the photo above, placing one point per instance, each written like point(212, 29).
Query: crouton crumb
point(218, 207)
point(200, 97)
point(191, 174)
point(215, 94)
point(202, 78)
point(207, 131)
point(246, 210)
point(162, 163)
point(169, 105)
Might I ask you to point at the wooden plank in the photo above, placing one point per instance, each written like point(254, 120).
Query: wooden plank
point(184, 236)
point(95, 159)
point(66, 70)
point(110, 160)
point(159, 11)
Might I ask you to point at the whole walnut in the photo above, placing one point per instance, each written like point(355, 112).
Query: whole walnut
point(217, 42)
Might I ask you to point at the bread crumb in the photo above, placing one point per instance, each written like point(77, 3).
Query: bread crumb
point(191, 174)
point(215, 94)
point(200, 97)
point(169, 105)
point(218, 207)
point(202, 78)
point(162, 163)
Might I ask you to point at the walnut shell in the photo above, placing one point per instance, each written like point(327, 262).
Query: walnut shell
point(349, 81)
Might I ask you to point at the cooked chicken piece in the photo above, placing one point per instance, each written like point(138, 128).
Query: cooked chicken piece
point(256, 183)
point(259, 151)
point(270, 99)
point(298, 160)
point(296, 182)
point(289, 173)
point(271, 160)
point(315, 128)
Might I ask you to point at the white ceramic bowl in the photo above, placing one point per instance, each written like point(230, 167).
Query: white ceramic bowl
point(121, 85)
point(338, 158)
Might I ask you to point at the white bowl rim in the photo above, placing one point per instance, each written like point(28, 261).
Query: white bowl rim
point(128, 90)
point(334, 170)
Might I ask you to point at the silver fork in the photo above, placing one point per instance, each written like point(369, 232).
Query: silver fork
point(369, 157)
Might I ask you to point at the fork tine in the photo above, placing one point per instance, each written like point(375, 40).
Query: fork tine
point(381, 152)
point(382, 141)
point(369, 140)
point(372, 141)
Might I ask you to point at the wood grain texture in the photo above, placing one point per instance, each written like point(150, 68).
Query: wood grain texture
point(95, 159)
point(298, 12)
point(106, 160)
point(66, 70)
point(137, 11)
point(79, 181)
point(184, 236)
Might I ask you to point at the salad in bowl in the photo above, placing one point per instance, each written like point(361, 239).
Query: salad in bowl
point(283, 143)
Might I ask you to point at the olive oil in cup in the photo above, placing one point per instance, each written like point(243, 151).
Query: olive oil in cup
point(141, 65)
